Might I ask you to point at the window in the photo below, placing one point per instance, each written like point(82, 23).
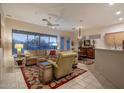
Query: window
point(33, 41)
point(68, 44)
point(53, 43)
point(62, 43)
point(19, 38)
point(44, 42)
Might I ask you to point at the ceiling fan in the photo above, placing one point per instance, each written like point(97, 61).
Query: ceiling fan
point(48, 23)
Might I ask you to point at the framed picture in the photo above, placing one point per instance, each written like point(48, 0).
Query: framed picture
point(87, 43)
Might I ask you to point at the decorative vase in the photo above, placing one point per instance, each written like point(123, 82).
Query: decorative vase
point(93, 43)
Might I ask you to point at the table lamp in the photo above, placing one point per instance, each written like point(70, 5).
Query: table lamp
point(18, 47)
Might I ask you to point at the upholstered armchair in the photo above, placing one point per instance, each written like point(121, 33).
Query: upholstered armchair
point(63, 64)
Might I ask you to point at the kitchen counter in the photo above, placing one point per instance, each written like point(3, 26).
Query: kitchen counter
point(109, 49)
point(110, 63)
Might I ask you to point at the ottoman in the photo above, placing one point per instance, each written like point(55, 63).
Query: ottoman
point(46, 72)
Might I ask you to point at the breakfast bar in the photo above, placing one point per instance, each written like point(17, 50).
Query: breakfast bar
point(110, 63)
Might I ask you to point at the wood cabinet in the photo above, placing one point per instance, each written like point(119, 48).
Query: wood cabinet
point(90, 53)
point(86, 52)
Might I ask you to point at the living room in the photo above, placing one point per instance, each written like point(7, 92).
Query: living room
point(51, 47)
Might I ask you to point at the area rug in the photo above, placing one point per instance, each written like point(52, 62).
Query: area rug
point(31, 76)
point(86, 61)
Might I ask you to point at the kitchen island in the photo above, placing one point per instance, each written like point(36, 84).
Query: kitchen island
point(110, 63)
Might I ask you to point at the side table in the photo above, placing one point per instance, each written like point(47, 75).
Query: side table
point(19, 62)
point(46, 72)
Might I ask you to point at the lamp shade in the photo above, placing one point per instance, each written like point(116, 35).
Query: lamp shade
point(18, 45)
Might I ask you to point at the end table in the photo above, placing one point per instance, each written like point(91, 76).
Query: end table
point(46, 72)
point(19, 62)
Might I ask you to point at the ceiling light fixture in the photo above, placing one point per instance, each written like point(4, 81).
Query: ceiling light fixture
point(118, 12)
point(53, 27)
point(79, 32)
point(111, 3)
point(120, 19)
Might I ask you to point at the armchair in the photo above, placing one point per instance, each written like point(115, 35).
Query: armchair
point(63, 64)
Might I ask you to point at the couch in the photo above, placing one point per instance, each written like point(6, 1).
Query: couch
point(63, 64)
point(33, 55)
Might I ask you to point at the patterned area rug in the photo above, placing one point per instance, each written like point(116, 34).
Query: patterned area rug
point(86, 61)
point(31, 76)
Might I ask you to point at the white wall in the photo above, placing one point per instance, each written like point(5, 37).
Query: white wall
point(1, 49)
point(100, 43)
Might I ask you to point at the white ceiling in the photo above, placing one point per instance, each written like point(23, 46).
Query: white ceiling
point(67, 15)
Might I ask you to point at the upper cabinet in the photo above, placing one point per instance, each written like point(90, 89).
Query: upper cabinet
point(114, 38)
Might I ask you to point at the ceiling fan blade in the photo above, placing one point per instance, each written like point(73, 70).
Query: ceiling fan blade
point(56, 25)
point(48, 22)
point(44, 19)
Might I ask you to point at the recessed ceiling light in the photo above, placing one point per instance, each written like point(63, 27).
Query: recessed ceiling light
point(120, 19)
point(82, 27)
point(111, 3)
point(53, 27)
point(118, 12)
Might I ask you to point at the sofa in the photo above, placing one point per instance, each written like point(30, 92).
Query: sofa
point(32, 56)
point(63, 64)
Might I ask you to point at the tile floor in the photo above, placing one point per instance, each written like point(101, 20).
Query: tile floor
point(89, 80)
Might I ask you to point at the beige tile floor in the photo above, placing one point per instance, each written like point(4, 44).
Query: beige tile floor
point(89, 80)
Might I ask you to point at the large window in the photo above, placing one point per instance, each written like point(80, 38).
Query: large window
point(19, 38)
point(33, 41)
point(53, 43)
point(44, 42)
